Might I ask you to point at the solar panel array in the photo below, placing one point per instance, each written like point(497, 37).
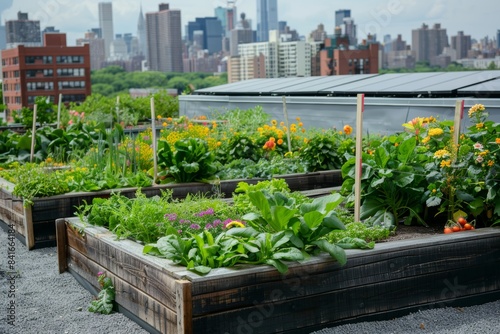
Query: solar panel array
point(429, 84)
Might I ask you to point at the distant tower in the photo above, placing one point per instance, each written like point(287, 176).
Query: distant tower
point(141, 35)
point(340, 15)
point(22, 31)
point(106, 25)
point(164, 39)
point(267, 18)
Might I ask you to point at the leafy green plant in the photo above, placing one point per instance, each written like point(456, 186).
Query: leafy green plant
point(105, 299)
point(189, 160)
point(359, 230)
point(393, 181)
point(44, 115)
point(321, 153)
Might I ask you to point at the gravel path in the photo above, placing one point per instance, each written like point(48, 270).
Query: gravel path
point(49, 302)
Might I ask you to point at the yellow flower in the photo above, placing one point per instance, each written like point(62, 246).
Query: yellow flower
point(426, 140)
point(475, 108)
point(234, 223)
point(159, 116)
point(164, 123)
point(298, 119)
point(479, 125)
point(274, 122)
point(491, 163)
point(347, 129)
point(282, 123)
point(445, 163)
point(435, 132)
point(441, 154)
point(396, 144)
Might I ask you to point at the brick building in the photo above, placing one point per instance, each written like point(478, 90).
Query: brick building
point(47, 70)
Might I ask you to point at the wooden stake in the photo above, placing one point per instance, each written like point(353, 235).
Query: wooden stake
point(117, 109)
point(155, 146)
point(59, 111)
point(33, 133)
point(459, 115)
point(285, 112)
point(359, 155)
point(62, 242)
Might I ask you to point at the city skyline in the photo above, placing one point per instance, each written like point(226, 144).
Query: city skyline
point(384, 17)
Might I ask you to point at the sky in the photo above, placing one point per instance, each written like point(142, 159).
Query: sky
point(477, 18)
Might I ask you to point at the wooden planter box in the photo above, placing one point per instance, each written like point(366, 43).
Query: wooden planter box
point(35, 225)
point(393, 279)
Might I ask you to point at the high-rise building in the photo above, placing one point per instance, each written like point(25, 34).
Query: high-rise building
point(267, 18)
point(96, 46)
point(242, 34)
point(48, 70)
point(164, 39)
point(349, 29)
point(340, 15)
point(212, 33)
point(141, 35)
point(227, 17)
point(318, 35)
point(498, 39)
point(22, 31)
point(461, 44)
point(106, 24)
point(428, 43)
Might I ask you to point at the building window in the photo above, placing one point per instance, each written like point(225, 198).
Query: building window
point(39, 73)
point(69, 59)
point(70, 72)
point(31, 86)
point(16, 74)
point(73, 98)
point(17, 87)
point(71, 84)
point(5, 75)
point(31, 99)
point(5, 87)
point(15, 60)
point(18, 99)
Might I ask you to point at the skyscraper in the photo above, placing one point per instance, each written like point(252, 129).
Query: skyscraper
point(163, 30)
point(267, 18)
point(340, 15)
point(106, 24)
point(23, 31)
point(141, 35)
point(428, 43)
point(462, 44)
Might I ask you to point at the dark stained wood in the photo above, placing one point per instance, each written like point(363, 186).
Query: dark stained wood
point(184, 309)
point(62, 242)
point(391, 279)
point(147, 308)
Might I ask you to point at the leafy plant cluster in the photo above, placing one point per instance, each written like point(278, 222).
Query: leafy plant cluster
point(104, 301)
point(422, 171)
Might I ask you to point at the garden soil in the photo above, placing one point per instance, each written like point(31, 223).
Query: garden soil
point(48, 302)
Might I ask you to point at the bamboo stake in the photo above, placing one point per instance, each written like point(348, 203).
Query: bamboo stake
point(459, 115)
point(359, 152)
point(59, 111)
point(33, 133)
point(153, 128)
point(285, 112)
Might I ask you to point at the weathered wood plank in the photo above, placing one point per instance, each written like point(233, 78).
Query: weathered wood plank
point(29, 232)
point(184, 309)
point(286, 314)
point(144, 306)
point(62, 243)
point(125, 259)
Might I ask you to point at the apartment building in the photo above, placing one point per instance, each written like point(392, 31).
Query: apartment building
point(48, 70)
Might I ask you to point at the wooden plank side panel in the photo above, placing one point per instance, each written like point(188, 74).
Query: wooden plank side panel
point(330, 308)
point(125, 259)
point(218, 295)
point(142, 305)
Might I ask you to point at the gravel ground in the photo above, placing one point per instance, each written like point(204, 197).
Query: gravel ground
point(48, 302)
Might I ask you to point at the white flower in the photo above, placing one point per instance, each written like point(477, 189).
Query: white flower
point(478, 146)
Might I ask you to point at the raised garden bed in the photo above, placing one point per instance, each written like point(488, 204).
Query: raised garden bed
point(395, 278)
point(35, 225)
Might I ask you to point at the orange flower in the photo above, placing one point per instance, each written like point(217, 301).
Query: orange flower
point(280, 141)
point(347, 129)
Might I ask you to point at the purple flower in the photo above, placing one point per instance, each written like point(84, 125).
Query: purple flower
point(208, 226)
point(194, 226)
point(184, 221)
point(179, 231)
point(216, 223)
point(100, 273)
point(208, 211)
point(171, 216)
